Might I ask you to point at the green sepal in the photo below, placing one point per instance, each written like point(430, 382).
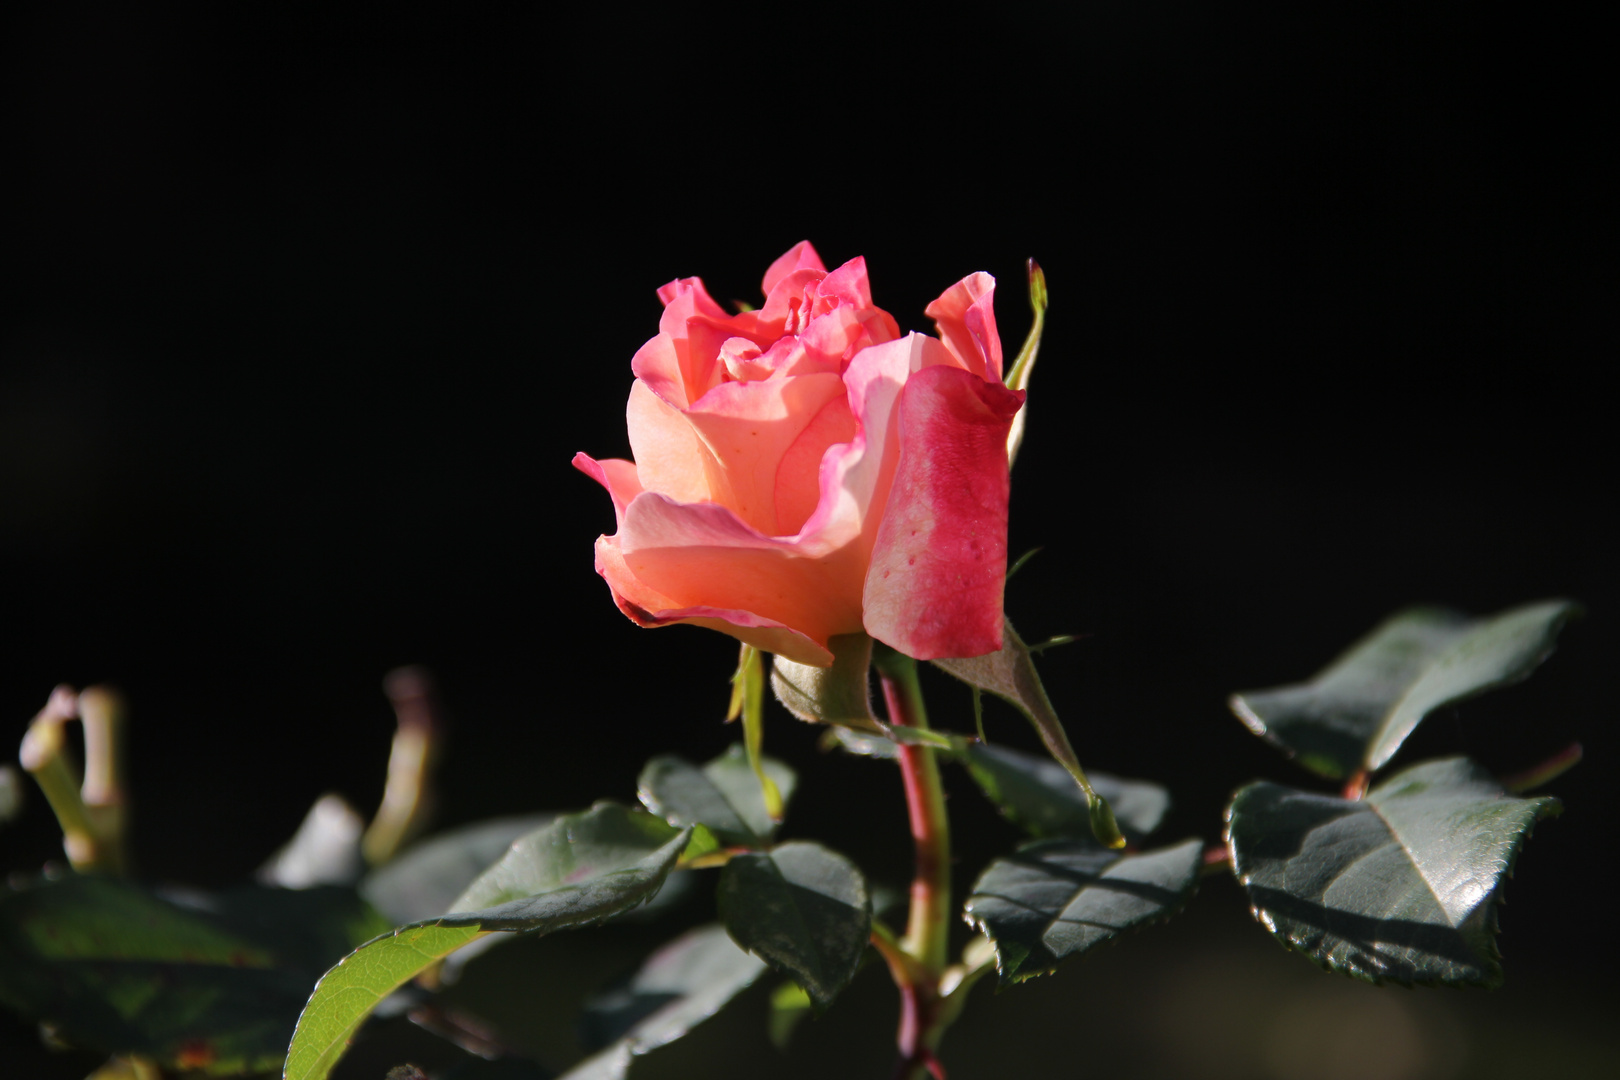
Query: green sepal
point(1009, 673)
point(748, 701)
point(840, 694)
point(1024, 363)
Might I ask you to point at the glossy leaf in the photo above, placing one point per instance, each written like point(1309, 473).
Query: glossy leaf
point(1041, 797)
point(681, 985)
point(427, 877)
point(1399, 886)
point(1356, 713)
point(578, 870)
point(190, 981)
point(724, 795)
point(802, 909)
point(1053, 899)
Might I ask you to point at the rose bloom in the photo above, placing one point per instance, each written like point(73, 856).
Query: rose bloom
point(804, 471)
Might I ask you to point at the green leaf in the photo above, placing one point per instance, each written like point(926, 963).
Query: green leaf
point(348, 993)
point(1400, 886)
point(1010, 675)
point(1355, 713)
point(1053, 899)
point(802, 909)
point(724, 794)
point(578, 870)
point(190, 981)
point(426, 878)
point(681, 985)
point(1040, 795)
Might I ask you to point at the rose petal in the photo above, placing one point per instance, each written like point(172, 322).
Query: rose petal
point(800, 256)
point(647, 608)
point(615, 474)
point(966, 317)
point(939, 562)
point(670, 458)
point(747, 427)
point(702, 555)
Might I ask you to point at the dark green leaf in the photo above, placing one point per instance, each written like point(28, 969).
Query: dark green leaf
point(1399, 886)
point(188, 980)
point(724, 794)
point(1054, 899)
point(1041, 796)
point(1356, 713)
point(578, 870)
point(427, 877)
point(680, 986)
point(801, 908)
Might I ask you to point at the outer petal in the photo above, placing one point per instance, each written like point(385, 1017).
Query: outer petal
point(615, 474)
point(966, 317)
point(646, 607)
point(939, 563)
point(701, 555)
point(670, 458)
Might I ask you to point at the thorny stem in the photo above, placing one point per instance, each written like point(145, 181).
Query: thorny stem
point(922, 1021)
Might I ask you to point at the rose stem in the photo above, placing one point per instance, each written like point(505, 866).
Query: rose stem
point(928, 925)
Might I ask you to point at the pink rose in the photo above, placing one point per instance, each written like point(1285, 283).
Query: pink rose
point(803, 471)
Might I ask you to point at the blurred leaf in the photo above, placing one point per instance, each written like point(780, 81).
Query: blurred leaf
point(854, 742)
point(191, 980)
point(801, 908)
point(1399, 886)
point(1053, 899)
point(681, 985)
point(1039, 795)
point(724, 794)
point(427, 877)
point(1355, 713)
point(324, 851)
point(578, 870)
point(789, 1005)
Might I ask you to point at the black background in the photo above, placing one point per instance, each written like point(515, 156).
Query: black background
point(305, 314)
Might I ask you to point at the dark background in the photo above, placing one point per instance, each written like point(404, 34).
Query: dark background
point(306, 313)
